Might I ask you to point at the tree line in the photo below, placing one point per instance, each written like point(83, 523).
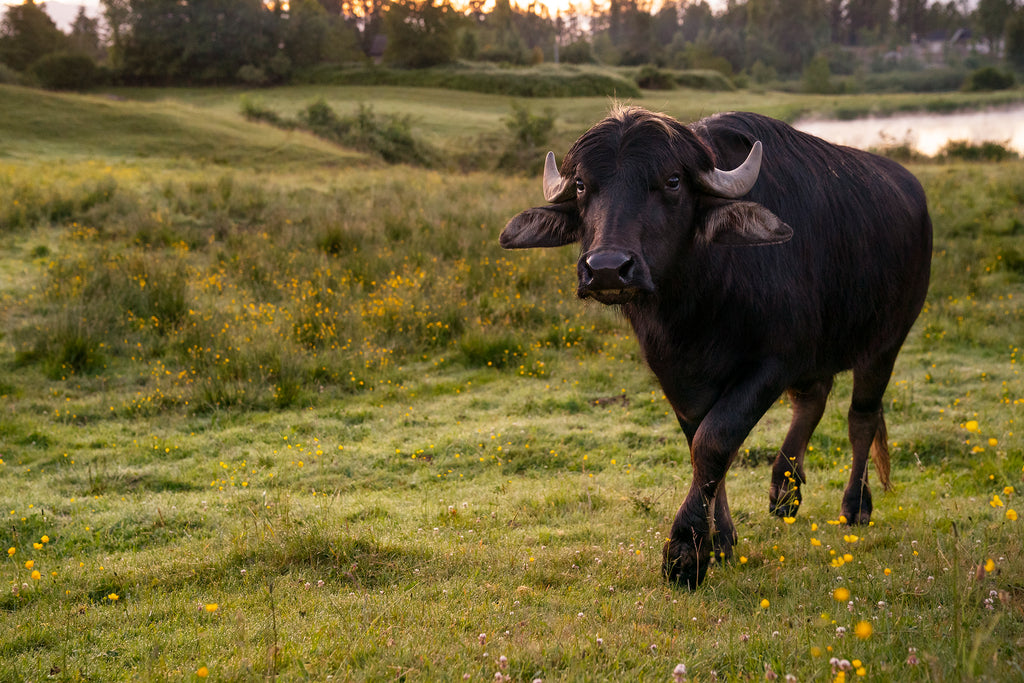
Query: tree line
point(160, 42)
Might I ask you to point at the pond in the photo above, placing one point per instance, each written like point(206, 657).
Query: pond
point(926, 133)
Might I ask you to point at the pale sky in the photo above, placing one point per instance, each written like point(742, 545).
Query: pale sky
point(93, 6)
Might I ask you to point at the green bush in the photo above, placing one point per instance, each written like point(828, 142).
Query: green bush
point(984, 151)
point(578, 52)
point(817, 77)
point(65, 71)
point(926, 80)
point(525, 82)
point(704, 79)
point(989, 78)
point(651, 77)
point(529, 129)
point(251, 75)
point(254, 110)
point(9, 76)
point(528, 134)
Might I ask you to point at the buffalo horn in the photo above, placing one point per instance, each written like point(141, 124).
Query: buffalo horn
point(554, 183)
point(735, 183)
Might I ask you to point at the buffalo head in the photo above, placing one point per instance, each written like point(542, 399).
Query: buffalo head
point(636, 191)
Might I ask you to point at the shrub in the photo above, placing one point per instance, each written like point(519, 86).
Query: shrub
point(251, 75)
point(651, 77)
point(528, 133)
point(389, 136)
point(254, 110)
point(523, 82)
point(989, 78)
point(967, 151)
point(9, 76)
point(817, 76)
point(530, 129)
point(65, 71)
point(578, 52)
point(704, 79)
point(763, 73)
point(929, 80)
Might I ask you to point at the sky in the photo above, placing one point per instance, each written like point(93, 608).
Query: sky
point(63, 11)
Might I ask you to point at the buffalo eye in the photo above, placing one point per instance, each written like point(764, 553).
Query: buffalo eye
point(673, 182)
point(580, 186)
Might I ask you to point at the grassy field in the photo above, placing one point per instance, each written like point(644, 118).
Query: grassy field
point(272, 409)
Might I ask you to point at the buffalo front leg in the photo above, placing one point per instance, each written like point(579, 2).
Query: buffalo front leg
point(702, 533)
point(703, 526)
point(788, 471)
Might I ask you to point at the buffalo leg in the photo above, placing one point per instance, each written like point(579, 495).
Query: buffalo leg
point(867, 437)
point(723, 534)
point(712, 447)
point(788, 472)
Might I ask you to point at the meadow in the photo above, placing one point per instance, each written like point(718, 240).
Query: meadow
point(274, 409)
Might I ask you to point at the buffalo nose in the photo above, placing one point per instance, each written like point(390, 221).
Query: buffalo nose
point(609, 270)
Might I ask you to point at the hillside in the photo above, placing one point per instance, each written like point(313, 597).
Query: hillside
point(38, 124)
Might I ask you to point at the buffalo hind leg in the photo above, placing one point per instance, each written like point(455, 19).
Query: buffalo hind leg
point(788, 472)
point(867, 437)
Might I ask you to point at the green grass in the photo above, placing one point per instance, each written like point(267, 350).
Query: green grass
point(317, 395)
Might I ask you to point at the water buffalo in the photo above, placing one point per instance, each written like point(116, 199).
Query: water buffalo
point(805, 260)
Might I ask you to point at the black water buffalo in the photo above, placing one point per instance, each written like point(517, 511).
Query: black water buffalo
point(742, 285)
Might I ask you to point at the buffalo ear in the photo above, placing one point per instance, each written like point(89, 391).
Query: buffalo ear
point(744, 224)
point(544, 226)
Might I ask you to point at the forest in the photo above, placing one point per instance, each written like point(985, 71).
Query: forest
point(760, 42)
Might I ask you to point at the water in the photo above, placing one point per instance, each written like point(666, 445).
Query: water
point(927, 133)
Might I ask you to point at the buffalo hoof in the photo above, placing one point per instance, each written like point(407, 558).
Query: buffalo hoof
point(784, 495)
point(686, 562)
point(784, 501)
point(857, 507)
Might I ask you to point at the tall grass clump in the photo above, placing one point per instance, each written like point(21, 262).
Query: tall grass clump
point(528, 135)
point(388, 136)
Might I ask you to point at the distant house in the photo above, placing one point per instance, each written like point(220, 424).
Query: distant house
point(933, 47)
point(377, 47)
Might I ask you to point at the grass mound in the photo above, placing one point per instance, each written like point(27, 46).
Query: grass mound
point(516, 82)
point(38, 123)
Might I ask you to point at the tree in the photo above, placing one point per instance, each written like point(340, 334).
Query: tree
point(194, 41)
point(27, 33)
point(696, 20)
point(118, 16)
point(867, 21)
point(1015, 40)
point(85, 35)
point(366, 18)
point(785, 34)
point(991, 17)
point(910, 18)
point(420, 34)
point(306, 32)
